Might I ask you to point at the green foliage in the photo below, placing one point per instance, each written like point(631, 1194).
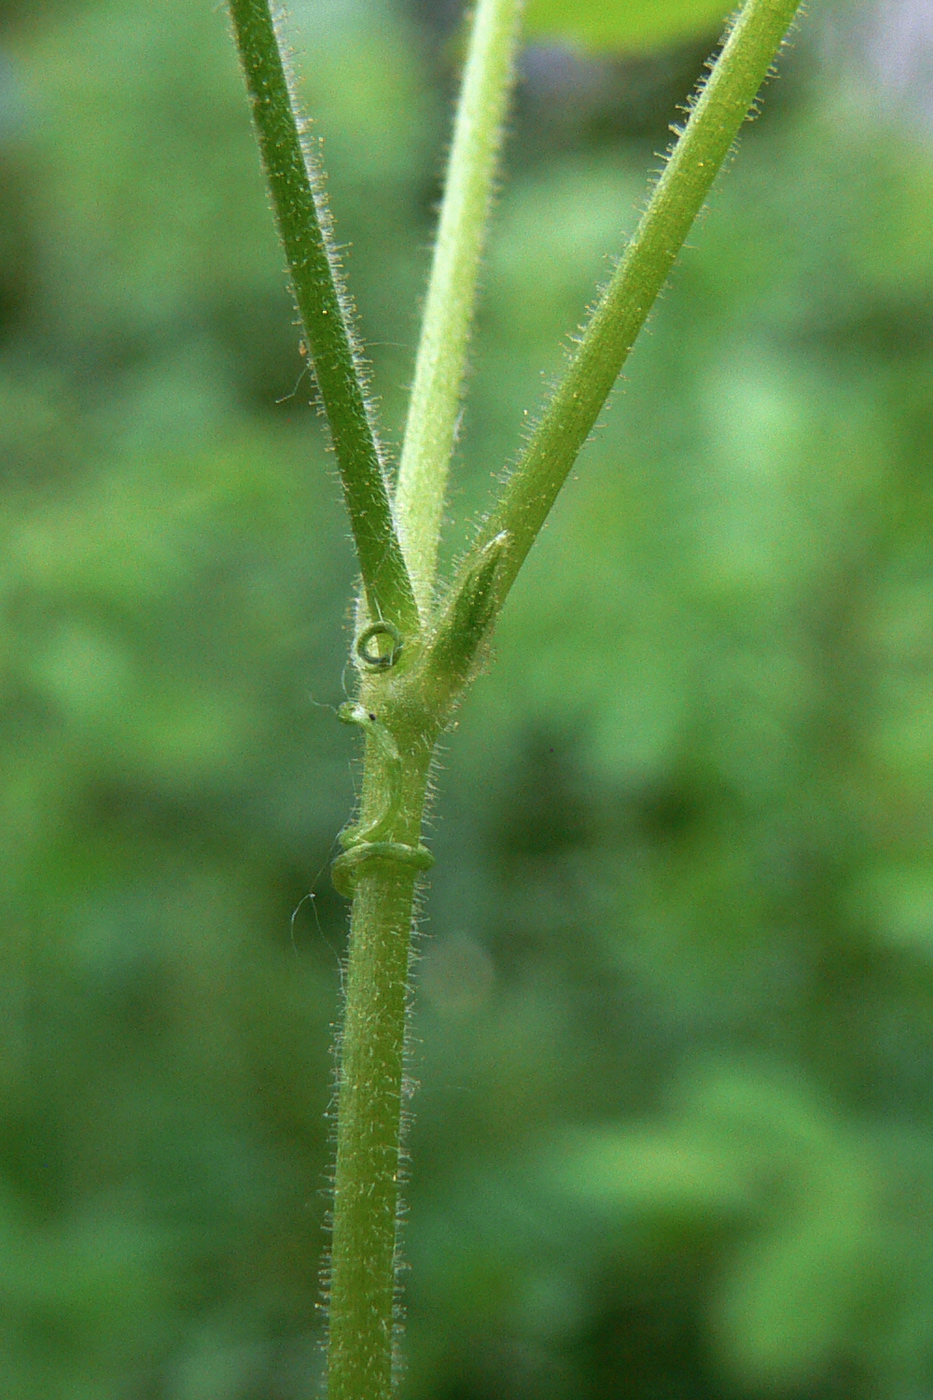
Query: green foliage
point(750, 1154)
point(681, 927)
point(636, 26)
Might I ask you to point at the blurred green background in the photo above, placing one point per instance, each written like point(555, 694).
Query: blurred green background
point(673, 1023)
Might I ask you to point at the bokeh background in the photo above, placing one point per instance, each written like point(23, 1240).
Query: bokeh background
point(673, 1016)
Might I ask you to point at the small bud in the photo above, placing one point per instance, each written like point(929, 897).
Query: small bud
point(470, 613)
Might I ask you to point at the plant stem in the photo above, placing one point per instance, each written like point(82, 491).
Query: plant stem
point(442, 350)
point(366, 1182)
point(363, 1252)
point(569, 416)
point(304, 225)
point(401, 708)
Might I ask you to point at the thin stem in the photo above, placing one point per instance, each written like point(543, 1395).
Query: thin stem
point(362, 1282)
point(442, 351)
point(570, 414)
point(304, 225)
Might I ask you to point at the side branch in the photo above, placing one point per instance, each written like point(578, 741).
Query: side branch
point(448, 311)
point(302, 219)
point(621, 312)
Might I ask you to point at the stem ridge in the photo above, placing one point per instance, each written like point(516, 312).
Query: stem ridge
point(345, 867)
point(371, 841)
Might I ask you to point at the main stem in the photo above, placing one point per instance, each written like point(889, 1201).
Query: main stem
point(363, 1271)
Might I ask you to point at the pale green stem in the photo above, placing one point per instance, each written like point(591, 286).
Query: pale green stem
point(569, 416)
point(442, 350)
point(296, 186)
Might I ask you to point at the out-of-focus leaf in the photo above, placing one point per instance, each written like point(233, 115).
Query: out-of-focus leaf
point(787, 1302)
point(786, 1309)
point(752, 1147)
point(629, 25)
point(650, 1172)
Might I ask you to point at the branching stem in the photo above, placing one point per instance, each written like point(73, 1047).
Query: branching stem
point(409, 683)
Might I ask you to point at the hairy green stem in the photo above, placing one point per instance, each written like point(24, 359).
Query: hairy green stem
point(570, 414)
point(304, 225)
point(448, 311)
point(409, 685)
point(362, 1282)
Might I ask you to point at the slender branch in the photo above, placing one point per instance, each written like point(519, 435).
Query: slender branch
point(569, 416)
point(304, 225)
point(441, 359)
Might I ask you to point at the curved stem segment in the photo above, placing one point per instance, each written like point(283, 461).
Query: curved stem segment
point(445, 332)
point(623, 307)
point(303, 220)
